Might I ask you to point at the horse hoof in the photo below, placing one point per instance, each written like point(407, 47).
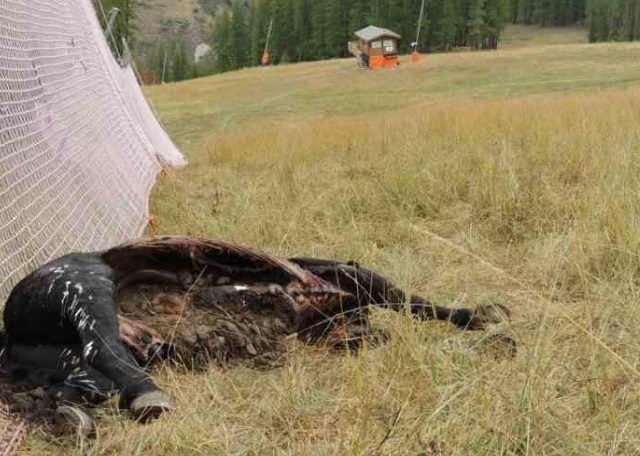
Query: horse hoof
point(74, 420)
point(149, 406)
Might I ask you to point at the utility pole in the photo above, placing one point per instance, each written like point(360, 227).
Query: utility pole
point(266, 46)
point(419, 25)
point(265, 53)
point(164, 65)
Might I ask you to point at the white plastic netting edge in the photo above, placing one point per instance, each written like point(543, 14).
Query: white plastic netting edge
point(80, 148)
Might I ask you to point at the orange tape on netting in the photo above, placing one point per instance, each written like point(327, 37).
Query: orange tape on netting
point(13, 431)
point(166, 171)
point(152, 223)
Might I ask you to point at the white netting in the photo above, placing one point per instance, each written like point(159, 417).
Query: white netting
point(78, 144)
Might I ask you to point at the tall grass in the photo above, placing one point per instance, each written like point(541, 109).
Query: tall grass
point(531, 201)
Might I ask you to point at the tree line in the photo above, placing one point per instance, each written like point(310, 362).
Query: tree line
point(305, 30)
point(168, 59)
point(319, 29)
point(547, 12)
point(170, 62)
point(614, 20)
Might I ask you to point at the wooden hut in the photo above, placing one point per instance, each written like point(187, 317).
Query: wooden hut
point(376, 47)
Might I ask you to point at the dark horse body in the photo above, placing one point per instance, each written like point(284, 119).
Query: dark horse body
point(69, 318)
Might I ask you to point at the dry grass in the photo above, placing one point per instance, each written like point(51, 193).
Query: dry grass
point(460, 187)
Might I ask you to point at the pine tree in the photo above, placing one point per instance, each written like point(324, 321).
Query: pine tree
point(515, 11)
point(445, 26)
point(283, 30)
point(636, 21)
point(547, 12)
point(320, 15)
point(179, 64)
point(336, 21)
point(614, 20)
point(475, 24)
point(223, 43)
point(301, 29)
point(493, 22)
point(153, 61)
point(259, 24)
point(240, 35)
point(359, 11)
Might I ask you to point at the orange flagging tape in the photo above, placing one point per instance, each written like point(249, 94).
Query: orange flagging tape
point(152, 222)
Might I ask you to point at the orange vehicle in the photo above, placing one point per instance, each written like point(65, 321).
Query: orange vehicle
point(376, 48)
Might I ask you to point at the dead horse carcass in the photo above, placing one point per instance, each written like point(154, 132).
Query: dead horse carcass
point(87, 325)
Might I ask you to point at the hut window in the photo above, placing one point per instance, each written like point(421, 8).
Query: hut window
point(389, 46)
point(376, 44)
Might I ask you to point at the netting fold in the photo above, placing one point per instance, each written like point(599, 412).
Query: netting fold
point(79, 146)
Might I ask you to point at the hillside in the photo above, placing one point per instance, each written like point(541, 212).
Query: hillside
point(166, 20)
point(509, 176)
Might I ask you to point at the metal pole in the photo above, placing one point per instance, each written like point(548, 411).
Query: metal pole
point(420, 24)
point(164, 65)
point(266, 46)
point(111, 21)
point(127, 57)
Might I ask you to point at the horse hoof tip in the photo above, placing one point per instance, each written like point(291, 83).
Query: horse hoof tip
point(70, 419)
point(149, 406)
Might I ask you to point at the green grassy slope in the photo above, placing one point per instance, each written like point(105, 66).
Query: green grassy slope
point(332, 89)
point(509, 176)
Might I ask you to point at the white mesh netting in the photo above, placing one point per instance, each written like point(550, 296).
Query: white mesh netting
point(79, 146)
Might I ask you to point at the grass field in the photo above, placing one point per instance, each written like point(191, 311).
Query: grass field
point(509, 176)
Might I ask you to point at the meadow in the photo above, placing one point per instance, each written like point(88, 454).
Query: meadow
point(510, 177)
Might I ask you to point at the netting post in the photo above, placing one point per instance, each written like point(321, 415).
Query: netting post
point(111, 21)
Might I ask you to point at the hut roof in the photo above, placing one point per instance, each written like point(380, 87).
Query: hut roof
point(372, 33)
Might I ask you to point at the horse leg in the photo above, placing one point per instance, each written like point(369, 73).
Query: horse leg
point(72, 300)
point(371, 288)
point(59, 370)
